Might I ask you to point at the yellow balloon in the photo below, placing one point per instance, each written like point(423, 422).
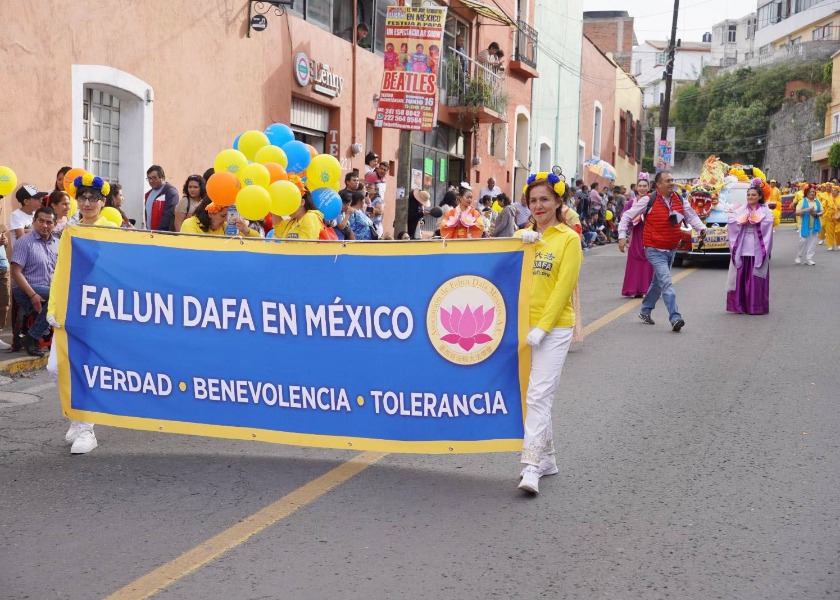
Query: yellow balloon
point(250, 142)
point(609, 215)
point(230, 160)
point(74, 205)
point(323, 171)
point(285, 197)
point(112, 215)
point(255, 174)
point(253, 202)
point(497, 208)
point(8, 181)
point(271, 154)
point(336, 185)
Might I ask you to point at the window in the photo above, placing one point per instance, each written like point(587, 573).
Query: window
point(638, 66)
point(101, 123)
point(835, 123)
point(731, 34)
point(637, 132)
point(336, 16)
point(622, 134)
point(661, 58)
point(596, 131)
point(497, 141)
point(628, 143)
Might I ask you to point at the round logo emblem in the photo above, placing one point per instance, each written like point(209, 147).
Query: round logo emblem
point(466, 319)
point(303, 71)
point(259, 22)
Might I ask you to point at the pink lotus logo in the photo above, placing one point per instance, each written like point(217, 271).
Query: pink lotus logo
point(467, 328)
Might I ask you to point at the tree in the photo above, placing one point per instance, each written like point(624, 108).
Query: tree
point(834, 155)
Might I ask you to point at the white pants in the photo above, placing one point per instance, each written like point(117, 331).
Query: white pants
point(808, 245)
point(52, 369)
point(546, 364)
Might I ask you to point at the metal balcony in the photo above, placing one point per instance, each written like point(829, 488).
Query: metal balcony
point(467, 86)
point(819, 148)
point(526, 44)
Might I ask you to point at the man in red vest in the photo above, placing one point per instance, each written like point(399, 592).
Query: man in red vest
point(663, 212)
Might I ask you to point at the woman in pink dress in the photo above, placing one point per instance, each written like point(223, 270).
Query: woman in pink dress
point(638, 273)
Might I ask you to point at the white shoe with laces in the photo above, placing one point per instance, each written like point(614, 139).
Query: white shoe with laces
point(811, 263)
point(72, 433)
point(84, 443)
point(530, 480)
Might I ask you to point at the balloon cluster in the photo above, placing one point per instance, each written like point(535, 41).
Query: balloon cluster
point(254, 175)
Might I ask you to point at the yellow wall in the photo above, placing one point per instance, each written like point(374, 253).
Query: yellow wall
point(628, 97)
point(805, 32)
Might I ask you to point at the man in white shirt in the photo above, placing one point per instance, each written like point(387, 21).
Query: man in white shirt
point(20, 221)
point(491, 189)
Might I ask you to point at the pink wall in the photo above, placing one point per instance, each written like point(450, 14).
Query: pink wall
point(597, 85)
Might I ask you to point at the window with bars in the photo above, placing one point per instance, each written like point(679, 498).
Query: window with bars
point(101, 121)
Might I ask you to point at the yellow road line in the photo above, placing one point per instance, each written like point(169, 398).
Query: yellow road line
point(150, 584)
point(164, 576)
point(628, 306)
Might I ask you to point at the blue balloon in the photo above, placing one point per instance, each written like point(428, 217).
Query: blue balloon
point(236, 142)
point(328, 202)
point(279, 134)
point(298, 155)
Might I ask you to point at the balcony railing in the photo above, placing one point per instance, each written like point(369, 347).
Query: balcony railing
point(819, 50)
point(465, 82)
point(526, 44)
point(819, 148)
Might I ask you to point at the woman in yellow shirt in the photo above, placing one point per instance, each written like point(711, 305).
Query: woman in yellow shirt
point(552, 319)
point(305, 223)
point(211, 219)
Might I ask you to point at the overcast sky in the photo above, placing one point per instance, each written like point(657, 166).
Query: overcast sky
point(652, 18)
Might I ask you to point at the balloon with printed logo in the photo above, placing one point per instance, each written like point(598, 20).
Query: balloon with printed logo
point(251, 141)
point(328, 202)
point(255, 174)
point(279, 134)
point(323, 171)
point(112, 215)
point(222, 188)
point(272, 154)
point(8, 181)
point(253, 202)
point(276, 172)
point(298, 155)
point(335, 186)
point(230, 160)
point(285, 198)
point(70, 176)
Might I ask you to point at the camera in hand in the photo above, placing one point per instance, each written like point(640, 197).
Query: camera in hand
point(672, 219)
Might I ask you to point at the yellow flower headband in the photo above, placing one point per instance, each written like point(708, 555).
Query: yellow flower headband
point(557, 182)
point(97, 183)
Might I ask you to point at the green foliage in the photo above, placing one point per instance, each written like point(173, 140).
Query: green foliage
point(834, 155)
point(828, 70)
point(727, 112)
point(647, 164)
point(821, 105)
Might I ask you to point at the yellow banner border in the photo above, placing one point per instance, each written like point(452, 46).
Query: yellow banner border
point(61, 287)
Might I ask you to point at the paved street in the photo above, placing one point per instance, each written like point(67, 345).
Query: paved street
point(695, 465)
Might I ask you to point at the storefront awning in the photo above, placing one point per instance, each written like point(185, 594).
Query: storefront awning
point(490, 12)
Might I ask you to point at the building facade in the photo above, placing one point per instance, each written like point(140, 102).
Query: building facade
point(174, 82)
point(597, 110)
point(732, 41)
point(651, 57)
point(612, 31)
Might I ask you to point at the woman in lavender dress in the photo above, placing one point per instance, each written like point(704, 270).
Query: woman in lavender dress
point(750, 230)
point(638, 273)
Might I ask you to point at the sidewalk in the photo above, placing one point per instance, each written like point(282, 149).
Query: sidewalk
point(15, 363)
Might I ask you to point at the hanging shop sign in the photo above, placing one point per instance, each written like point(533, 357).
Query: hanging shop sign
point(320, 76)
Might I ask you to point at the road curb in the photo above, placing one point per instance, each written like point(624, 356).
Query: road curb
point(22, 364)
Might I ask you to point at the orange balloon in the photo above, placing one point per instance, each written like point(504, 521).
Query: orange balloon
point(222, 188)
point(71, 175)
point(312, 151)
point(276, 172)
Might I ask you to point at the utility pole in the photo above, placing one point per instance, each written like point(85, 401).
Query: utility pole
point(669, 74)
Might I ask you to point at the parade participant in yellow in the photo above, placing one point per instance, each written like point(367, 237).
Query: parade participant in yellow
point(552, 319)
point(823, 195)
point(797, 197)
point(90, 193)
point(774, 203)
point(211, 219)
point(306, 222)
point(831, 219)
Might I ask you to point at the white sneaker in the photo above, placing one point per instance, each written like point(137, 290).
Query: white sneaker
point(821, 242)
point(811, 263)
point(831, 249)
point(72, 433)
point(85, 442)
point(4, 345)
point(798, 261)
point(530, 480)
point(548, 466)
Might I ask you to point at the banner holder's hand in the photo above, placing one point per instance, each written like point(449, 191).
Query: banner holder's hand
point(535, 337)
point(51, 320)
point(529, 236)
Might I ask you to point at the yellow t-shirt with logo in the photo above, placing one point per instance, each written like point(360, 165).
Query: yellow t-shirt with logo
point(308, 227)
point(555, 275)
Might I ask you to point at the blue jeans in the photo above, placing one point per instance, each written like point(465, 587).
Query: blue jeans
point(661, 284)
point(40, 326)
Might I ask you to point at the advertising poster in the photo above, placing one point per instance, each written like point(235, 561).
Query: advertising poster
point(663, 158)
point(301, 346)
point(408, 98)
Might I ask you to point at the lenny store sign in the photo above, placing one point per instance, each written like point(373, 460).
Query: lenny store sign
point(322, 78)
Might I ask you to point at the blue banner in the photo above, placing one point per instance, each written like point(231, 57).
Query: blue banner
point(390, 346)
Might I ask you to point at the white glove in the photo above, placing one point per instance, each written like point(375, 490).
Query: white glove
point(529, 236)
point(535, 337)
point(51, 320)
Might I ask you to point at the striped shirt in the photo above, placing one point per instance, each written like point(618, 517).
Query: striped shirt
point(36, 257)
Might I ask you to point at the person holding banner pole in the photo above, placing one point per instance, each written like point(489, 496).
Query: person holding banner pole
point(90, 194)
point(552, 319)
